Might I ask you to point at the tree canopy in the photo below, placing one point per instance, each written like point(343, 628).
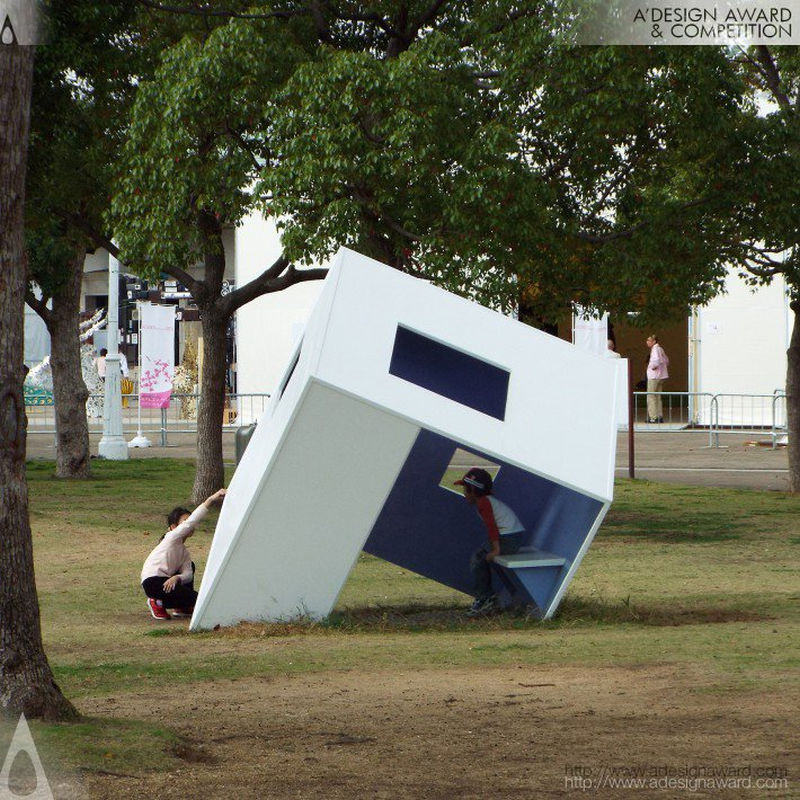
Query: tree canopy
point(200, 132)
point(491, 156)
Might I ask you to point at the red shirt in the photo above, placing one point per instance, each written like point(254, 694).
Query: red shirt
point(498, 518)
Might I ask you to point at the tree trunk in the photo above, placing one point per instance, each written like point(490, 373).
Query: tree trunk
point(793, 400)
point(69, 390)
point(26, 681)
point(210, 473)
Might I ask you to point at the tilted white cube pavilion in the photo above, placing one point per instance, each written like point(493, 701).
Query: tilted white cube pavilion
point(391, 377)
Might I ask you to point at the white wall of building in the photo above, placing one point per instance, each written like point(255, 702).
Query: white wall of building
point(266, 328)
point(743, 339)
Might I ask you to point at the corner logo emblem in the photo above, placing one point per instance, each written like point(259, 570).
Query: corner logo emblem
point(7, 35)
point(22, 742)
point(19, 22)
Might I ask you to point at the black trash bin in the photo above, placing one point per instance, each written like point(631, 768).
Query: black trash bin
point(242, 439)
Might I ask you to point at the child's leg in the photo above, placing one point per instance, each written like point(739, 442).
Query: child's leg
point(154, 588)
point(481, 575)
point(182, 596)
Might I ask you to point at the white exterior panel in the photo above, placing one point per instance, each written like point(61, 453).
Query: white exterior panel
point(287, 552)
point(551, 379)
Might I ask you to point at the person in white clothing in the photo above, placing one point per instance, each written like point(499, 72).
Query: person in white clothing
point(168, 572)
point(100, 364)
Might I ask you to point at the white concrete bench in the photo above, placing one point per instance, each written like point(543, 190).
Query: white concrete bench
point(529, 558)
point(521, 572)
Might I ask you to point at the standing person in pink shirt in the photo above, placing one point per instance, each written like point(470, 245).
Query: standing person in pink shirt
point(168, 573)
point(656, 375)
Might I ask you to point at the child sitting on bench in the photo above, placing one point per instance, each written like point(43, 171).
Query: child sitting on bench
point(504, 530)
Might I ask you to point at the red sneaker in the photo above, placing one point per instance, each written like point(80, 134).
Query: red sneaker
point(157, 609)
point(182, 612)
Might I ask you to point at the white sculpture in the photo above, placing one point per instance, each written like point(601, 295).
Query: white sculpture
point(390, 378)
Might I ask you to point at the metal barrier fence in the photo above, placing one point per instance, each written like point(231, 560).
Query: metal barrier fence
point(741, 413)
point(179, 417)
point(682, 411)
point(780, 419)
point(717, 413)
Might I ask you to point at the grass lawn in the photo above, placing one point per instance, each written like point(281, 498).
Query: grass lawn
point(705, 577)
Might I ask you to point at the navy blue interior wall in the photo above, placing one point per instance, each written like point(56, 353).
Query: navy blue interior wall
point(433, 532)
point(449, 372)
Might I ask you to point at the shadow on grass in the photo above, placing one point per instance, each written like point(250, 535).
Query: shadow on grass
point(579, 610)
point(416, 618)
point(699, 528)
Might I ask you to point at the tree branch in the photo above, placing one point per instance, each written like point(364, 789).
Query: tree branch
point(761, 264)
point(613, 184)
point(240, 140)
point(39, 306)
point(510, 19)
point(320, 23)
point(280, 275)
point(83, 225)
point(368, 134)
point(293, 276)
point(773, 77)
point(192, 284)
point(627, 233)
point(373, 16)
point(256, 287)
point(761, 271)
point(428, 16)
point(381, 216)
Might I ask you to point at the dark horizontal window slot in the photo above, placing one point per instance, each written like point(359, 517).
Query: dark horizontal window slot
point(450, 373)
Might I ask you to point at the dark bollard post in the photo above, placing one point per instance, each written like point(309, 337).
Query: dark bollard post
point(631, 420)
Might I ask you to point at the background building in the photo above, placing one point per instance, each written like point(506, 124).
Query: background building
point(736, 345)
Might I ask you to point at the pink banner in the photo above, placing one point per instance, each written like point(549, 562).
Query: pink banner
point(157, 359)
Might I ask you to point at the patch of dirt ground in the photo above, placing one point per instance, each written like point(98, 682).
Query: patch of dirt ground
point(519, 732)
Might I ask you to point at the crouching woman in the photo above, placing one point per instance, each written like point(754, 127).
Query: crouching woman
point(168, 572)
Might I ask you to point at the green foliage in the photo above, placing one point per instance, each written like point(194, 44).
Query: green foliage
point(768, 186)
point(85, 76)
point(200, 131)
point(472, 145)
point(493, 158)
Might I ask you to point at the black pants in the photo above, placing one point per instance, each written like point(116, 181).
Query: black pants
point(481, 568)
point(182, 596)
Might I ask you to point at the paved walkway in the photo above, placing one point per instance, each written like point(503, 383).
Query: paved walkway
point(742, 461)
